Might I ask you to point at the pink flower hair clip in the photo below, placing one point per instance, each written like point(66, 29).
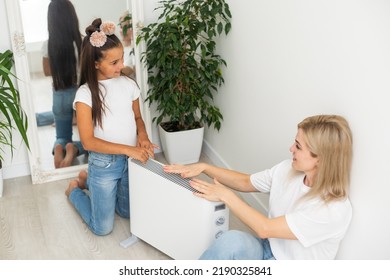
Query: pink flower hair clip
point(99, 38)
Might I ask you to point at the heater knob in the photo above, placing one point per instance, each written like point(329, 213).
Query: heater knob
point(218, 234)
point(220, 221)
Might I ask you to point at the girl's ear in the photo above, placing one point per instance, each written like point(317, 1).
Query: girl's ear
point(97, 65)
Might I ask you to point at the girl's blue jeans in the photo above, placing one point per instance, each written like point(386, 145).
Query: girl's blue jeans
point(63, 117)
point(238, 245)
point(108, 192)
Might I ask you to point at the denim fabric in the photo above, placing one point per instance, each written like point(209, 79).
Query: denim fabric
point(267, 255)
point(44, 118)
point(238, 245)
point(63, 116)
point(108, 192)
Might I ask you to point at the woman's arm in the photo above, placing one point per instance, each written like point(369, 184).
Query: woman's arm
point(260, 224)
point(233, 179)
point(91, 143)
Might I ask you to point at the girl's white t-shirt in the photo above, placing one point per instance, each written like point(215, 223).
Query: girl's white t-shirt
point(118, 122)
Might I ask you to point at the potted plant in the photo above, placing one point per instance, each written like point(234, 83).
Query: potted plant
point(126, 22)
point(184, 71)
point(12, 115)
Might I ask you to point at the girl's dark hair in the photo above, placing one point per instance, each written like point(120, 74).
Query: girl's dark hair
point(88, 72)
point(64, 36)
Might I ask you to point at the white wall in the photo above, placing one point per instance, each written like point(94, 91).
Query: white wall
point(288, 59)
point(291, 59)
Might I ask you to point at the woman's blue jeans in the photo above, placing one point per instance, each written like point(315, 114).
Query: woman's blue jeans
point(108, 192)
point(63, 117)
point(238, 245)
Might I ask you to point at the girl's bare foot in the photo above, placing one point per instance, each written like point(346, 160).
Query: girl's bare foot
point(72, 185)
point(71, 153)
point(58, 155)
point(83, 179)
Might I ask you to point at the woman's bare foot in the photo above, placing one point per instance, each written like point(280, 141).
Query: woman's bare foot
point(83, 179)
point(58, 155)
point(72, 185)
point(70, 154)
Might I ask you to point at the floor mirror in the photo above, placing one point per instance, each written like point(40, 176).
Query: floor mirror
point(27, 21)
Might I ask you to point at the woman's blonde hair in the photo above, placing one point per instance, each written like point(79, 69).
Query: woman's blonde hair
point(329, 138)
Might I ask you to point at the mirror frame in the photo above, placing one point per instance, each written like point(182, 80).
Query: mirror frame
point(38, 174)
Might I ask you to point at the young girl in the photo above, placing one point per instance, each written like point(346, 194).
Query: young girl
point(110, 127)
point(309, 209)
point(60, 60)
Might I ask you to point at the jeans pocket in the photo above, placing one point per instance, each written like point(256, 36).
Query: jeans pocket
point(100, 160)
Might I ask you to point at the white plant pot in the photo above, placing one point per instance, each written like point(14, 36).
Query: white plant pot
point(182, 147)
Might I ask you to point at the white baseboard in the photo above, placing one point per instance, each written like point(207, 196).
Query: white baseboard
point(256, 200)
point(16, 170)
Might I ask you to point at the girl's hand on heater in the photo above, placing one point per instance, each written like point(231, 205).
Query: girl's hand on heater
point(141, 154)
point(185, 171)
point(145, 143)
point(211, 191)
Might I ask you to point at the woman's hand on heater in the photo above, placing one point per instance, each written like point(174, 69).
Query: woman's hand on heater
point(214, 191)
point(185, 171)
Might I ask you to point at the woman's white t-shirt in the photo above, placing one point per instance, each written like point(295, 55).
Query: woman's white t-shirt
point(319, 227)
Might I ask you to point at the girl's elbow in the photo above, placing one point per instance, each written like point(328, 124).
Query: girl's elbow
point(87, 145)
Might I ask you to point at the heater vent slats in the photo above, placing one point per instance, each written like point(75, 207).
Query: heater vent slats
point(156, 168)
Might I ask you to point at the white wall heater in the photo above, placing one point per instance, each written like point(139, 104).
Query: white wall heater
point(165, 213)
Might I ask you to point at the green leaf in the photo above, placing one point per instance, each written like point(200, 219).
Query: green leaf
point(184, 72)
point(10, 106)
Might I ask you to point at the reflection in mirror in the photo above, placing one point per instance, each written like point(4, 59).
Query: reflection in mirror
point(54, 87)
point(29, 18)
point(126, 32)
point(36, 35)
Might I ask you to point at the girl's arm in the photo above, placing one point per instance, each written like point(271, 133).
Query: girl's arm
point(46, 66)
point(143, 139)
point(91, 143)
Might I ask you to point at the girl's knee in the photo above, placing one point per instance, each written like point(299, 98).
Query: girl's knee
point(102, 231)
point(102, 227)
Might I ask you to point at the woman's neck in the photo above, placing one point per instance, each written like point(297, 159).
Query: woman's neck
point(308, 180)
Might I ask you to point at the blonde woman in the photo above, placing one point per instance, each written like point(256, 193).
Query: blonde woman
point(309, 209)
